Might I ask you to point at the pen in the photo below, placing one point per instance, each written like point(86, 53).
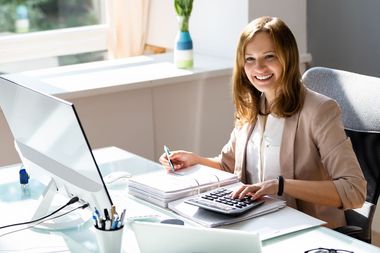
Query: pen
point(113, 211)
point(106, 215)
point(167, 151)
point(114, 222)
point(107, 225)
point(95, 220)
point(97, 213)
point(102, 223)
point(121, 220)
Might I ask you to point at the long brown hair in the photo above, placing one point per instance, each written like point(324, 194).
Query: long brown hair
point(290, 94)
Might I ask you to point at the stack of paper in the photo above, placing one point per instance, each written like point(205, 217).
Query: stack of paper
point(161, 187)
point(212, 219)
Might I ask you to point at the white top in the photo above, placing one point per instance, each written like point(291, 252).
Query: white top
point(263, 149)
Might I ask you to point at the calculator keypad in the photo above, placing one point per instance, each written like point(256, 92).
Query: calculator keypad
point(220, 200)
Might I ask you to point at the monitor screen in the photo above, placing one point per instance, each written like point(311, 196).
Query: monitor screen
point(48, 135)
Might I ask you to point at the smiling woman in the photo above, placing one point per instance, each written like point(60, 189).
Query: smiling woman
point(288, 141)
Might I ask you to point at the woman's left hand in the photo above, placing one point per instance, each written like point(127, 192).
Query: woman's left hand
point(269, 187)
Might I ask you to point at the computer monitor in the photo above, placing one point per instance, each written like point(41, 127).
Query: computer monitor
point(48, 134)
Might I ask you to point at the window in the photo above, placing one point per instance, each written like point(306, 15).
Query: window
point(41, 15)
point(74, 30)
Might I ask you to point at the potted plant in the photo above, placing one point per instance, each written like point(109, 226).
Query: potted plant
point(183, 49)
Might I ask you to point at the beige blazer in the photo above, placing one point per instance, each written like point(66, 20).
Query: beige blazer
point(314, 147)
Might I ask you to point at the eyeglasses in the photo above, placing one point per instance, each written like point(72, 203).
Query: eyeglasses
point(324, 250)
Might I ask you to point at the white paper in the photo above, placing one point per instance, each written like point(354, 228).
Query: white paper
point(213, 219)
point(161, 187)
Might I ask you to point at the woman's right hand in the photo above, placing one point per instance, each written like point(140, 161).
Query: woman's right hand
point(181, 159)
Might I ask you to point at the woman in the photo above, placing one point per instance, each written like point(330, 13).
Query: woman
point(288, 140)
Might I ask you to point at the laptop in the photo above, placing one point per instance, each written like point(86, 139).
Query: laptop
point(158, 237)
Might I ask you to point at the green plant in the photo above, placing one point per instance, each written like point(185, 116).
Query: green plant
point(183, 9)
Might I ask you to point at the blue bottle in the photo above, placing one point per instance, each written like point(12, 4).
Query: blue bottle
point(183, 48)
point(24, 179)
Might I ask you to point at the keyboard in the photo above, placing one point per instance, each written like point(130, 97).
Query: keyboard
point(219, 201)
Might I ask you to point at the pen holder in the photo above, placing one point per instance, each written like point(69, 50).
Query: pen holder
point(109, 241)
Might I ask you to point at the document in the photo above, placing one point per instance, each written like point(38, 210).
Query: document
point(162, 187)
point(271, 219)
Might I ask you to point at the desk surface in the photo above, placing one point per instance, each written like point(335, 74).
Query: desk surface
point(17, 206)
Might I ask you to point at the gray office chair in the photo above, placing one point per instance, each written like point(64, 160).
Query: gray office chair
point(359, 98)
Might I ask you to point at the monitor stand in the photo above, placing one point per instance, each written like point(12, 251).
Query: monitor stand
point(72, 220)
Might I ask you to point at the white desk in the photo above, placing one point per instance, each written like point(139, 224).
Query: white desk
point(15, 206)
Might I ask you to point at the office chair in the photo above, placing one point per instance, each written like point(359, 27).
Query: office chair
point(359, 98)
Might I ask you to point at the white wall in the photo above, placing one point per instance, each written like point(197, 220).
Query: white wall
point(216, 24)
point(162, 24)
point(293, 12)
point(345, 34)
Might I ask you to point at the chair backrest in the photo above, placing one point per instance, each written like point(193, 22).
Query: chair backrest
point(375, 236)
point(359, 98)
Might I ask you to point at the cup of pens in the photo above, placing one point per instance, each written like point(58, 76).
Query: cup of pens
point(109, 230)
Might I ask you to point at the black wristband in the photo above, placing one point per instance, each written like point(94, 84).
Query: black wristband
point(280, 185)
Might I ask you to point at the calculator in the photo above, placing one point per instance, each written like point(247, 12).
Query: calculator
point(220, 201)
